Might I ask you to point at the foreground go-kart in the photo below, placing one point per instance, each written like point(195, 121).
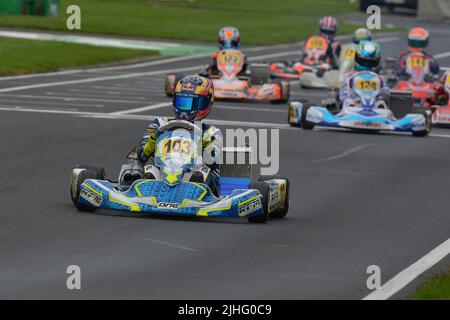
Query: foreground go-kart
point(369, 114)
point(417, 68)
point(230, 84)
point(441, 113)
point(170, 191)
point(313, 71)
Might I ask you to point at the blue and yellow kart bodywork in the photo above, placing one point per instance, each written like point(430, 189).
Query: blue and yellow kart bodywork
point(186, 198)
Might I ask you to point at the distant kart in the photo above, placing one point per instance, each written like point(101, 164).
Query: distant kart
point(417, 68)
point(171, 192)
point(441, 113)
point(230, 84)
point(313, 71)
point(371, 114)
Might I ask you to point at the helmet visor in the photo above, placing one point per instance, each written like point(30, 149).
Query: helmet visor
point(367, 63)
point(189, 104)
point(422, 44)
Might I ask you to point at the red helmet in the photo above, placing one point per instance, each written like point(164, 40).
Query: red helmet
point(418, 39)
point(328, 27)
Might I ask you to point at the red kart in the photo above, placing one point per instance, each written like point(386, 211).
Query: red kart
point(231, 84)
point(314, 60)
point(417, 67)
point(441, 113)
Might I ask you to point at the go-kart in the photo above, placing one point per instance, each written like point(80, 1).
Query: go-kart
point(231, 84)
point(418, 69)
point(166, 187)
point(441, 113)
point(369, 112)
point(313, 71)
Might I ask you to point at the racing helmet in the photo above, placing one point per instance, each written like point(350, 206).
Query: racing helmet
point(193, 98)
point(418, 39)
point(228, 38)
point(368, 56)
point(328, 27)
point(361, 34)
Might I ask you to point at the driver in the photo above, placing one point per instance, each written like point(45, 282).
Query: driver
point(328, 29)
point(228, 38)
point(418, 39)
point(192, 101)
point(367, 58)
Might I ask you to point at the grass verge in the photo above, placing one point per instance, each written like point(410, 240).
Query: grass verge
point(436, 288)
point(19, 56)
point(261, 22)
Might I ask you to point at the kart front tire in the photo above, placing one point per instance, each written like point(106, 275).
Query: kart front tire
point(263, 189)
point(427, 116)
point(99, 170)
point(279, 213)
point(285, 92)
point(82, 177)
point(304, 123)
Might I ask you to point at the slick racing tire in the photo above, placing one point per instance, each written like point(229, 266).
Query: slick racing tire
point(285, 92)
point(427, 115)
point(91, 172)
point(306, 124)
point(282, 212)
point(263, 188)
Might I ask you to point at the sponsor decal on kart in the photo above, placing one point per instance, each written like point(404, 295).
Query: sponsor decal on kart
point(367, 124)
point(249, 207)
point(91, 197)
point(168, 205)
point(441, 118)
point(274, 198)
point(416, 61)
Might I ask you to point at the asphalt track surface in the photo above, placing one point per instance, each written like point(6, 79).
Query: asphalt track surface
point(357, 199)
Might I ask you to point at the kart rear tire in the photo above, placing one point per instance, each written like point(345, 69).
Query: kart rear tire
point(280, 213)
point(99, 170)
point(427, 115)
point(285, 92)
point(263, 189)
point(306, 124)
point(82, 177)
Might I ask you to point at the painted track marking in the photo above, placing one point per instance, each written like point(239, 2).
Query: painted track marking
point(142, 109)
point(405, 277)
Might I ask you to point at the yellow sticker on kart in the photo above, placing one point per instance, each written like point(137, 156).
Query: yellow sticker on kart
point(416, 61)
point(175, 145)
point(316, 43)
point(367, 85)
point(230, 57)
point(349, 53)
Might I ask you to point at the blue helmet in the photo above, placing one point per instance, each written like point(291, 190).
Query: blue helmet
point(362, 34)
point(368, 56)
point(228, 38)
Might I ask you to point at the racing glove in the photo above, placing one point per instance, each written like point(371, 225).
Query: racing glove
point(149, 148)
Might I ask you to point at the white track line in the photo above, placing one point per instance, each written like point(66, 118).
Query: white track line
point(95, 79)
point(65, 98)
point(442, 55)
point(344, 154)
point(405, 277)
point(142, 109)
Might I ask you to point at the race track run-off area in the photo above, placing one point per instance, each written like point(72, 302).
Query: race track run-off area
point(357, 200)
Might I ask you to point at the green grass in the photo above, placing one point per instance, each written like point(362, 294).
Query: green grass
point(19, 56)
point(437, 288)
point(260, 22)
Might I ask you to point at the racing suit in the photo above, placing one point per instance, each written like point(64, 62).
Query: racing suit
point(211, 142)
point(401, 67)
